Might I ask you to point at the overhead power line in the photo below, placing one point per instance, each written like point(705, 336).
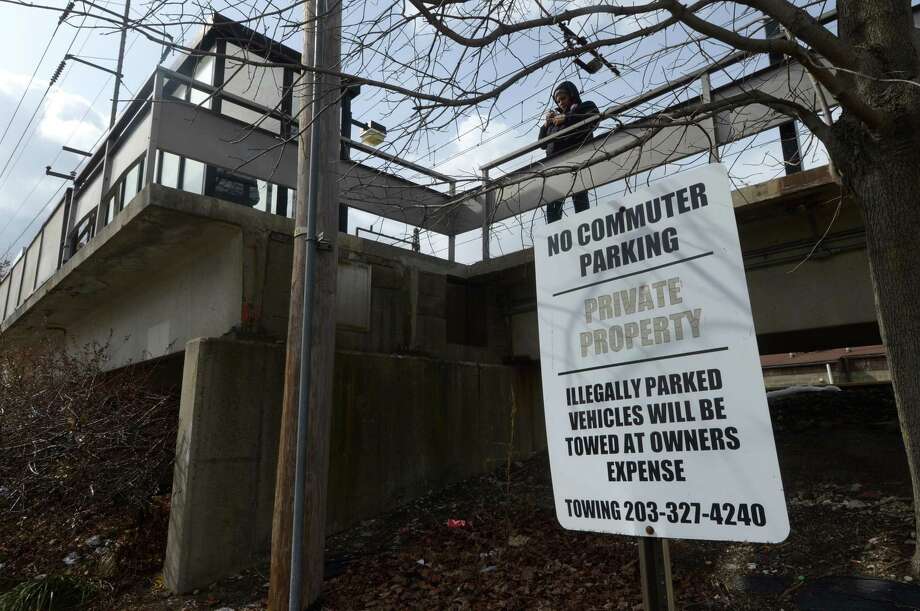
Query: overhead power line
point(38, 106)
point(29, 225)
point(185, 30)
point(35, 72)
point(44, 177)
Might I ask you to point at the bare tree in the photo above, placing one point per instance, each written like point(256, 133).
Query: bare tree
point(430, 62)
point(449, 56)
point(869, 65)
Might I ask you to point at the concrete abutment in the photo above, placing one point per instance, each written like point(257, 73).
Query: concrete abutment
point(402, 426)
point(226, 449)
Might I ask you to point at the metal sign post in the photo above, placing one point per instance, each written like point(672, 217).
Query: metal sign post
point(655, 574)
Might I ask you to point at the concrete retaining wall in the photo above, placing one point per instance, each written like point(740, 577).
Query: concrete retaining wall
point(402, 427)
point(226, 451)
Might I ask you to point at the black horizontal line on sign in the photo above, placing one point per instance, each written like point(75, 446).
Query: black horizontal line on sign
point(641, 271)
point(648, 360)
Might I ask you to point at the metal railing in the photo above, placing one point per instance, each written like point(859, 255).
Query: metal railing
point(628, 149)
point(271, 156)
point(157, 121)
point(609, 156)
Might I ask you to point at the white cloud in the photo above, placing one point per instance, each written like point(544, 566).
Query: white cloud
point(68, 119)
point(13, 84)
point(478, 143)
point(632, 23)
point(65, 117)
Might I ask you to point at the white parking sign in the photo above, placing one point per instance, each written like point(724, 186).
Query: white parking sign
point(656, 417)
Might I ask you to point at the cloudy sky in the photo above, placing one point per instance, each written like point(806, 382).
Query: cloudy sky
point(75, 111)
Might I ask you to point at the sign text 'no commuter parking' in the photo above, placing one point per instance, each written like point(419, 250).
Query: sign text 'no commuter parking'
point(656, 417)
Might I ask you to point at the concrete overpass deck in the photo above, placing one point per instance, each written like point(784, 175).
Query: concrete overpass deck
point(175, 265)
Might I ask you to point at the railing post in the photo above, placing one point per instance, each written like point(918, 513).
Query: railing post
point(38, 262)
point(452, 238)
point(788, 134)
point(22, 276)
point(655, 574)
point(486, 215)
point(156, 98)
point(348, 93)
point(106, 181)
point(710, 123)
point(70, 207)
point(5, 306)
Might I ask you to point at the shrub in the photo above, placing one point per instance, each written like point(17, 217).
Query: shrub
point(77, 444)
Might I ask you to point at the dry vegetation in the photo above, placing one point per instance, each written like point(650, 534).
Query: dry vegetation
point(847, 488)
point(85, 468)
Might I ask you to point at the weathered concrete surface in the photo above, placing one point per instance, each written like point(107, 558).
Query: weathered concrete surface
point(197, 290)
point(825, 292)
point(402, 426)
point(175, 265)
point(226, 450)
point(805, 262)
point(171, 266)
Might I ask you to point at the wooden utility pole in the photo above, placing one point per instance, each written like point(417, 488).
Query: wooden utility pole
point(320, 121)
point(121, 62)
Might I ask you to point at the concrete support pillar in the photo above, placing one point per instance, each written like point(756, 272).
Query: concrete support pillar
point(226, 449)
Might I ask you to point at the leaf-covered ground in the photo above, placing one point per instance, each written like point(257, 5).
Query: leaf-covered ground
point(849, 501)
point(85, 467)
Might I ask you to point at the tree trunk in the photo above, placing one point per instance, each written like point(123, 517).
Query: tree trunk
point(880, 164)
point(887, 184)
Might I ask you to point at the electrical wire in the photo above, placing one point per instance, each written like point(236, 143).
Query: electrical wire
point(32, 78)
point(30, 139)
point(41, 210)
point(26, 228)
point(38, 106)
point(13, 244)
point(44, 177)
point(493, 137)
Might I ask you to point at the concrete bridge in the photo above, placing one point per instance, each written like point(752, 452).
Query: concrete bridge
point(174, 247)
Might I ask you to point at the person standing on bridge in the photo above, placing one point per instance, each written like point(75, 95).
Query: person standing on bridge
point(570, 110)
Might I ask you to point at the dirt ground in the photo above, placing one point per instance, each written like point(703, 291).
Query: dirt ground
point(847, 488)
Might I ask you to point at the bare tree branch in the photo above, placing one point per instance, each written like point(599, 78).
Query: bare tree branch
point(503, 29)
point(845, 95)
point(807, 28)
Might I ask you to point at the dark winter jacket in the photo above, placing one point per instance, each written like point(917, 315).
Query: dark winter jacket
point(577, 113)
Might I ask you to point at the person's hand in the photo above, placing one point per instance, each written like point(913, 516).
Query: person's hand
point(558, 120)
point(550, 118)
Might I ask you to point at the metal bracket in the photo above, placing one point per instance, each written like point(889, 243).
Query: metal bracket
point(50, 172)
point(321, 242)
